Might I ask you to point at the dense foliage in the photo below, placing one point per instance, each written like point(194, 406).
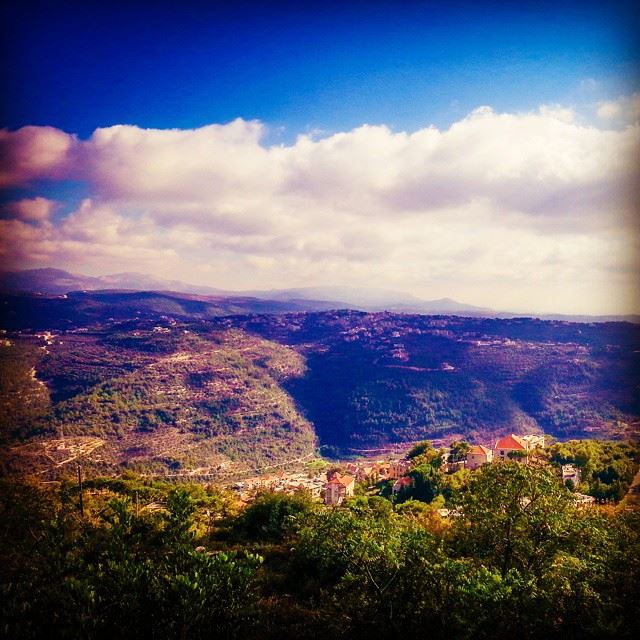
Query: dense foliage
point(607, 468)
point(517, 558)
point(401, 377)
point(117, 573)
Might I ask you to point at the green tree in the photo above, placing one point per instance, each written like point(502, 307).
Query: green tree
point(427, 482)
point(117, 574)
point(459, 450)
point(271, 516)
point(425, 453)
point(514, 516)
point(357, 554)
point(451, 484)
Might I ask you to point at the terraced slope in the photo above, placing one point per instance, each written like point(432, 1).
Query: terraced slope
point(169, 394)
point(177, 401)
point(394, 378)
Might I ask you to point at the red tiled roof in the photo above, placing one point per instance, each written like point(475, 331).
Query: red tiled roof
point(479, 450)
point(345, 480)
point(511, 442)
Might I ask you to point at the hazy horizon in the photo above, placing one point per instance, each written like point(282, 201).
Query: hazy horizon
point(488, 155)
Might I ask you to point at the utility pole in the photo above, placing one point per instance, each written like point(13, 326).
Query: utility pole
point(80, 489)
point(137, 506)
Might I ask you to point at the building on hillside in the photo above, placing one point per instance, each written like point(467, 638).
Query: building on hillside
point(366, 473)
point(402, 483)
point(510, 444)
point(533, 440)
point(477, 456)
point(338, 488)
point(383, 469)
point(569, 472)
point(452, 467)
point(583, 500)
point(399, 468)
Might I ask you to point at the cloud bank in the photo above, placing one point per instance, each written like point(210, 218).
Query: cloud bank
point(520, 211)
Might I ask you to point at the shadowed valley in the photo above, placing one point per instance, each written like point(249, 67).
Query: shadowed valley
point(164, 387)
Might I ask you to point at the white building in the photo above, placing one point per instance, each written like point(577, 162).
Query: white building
point(569, 472)
point(477, 456)
point(338, 488)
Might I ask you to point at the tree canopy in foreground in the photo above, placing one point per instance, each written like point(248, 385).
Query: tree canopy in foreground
point(516, 558)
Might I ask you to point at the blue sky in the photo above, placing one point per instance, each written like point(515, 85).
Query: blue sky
point(329, 66)
point(476, 150)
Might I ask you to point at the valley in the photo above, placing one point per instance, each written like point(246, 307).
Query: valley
point(167, 391)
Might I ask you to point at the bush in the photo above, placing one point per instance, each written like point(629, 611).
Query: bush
point(270, 516)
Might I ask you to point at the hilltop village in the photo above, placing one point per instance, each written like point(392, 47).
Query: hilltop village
point(394, 475)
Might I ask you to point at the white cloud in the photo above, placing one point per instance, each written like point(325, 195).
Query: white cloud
point(623, 110)
point(608, 110)
point(564, 114)
point(512, 210)
point(36, 210)
point(34, 152)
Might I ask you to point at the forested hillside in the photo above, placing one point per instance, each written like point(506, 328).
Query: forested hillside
point(391, 377)
point(153, 399)
point(157, 391)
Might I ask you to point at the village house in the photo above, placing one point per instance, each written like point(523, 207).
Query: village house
point(533, 440)
point(366, 473)
point(401, 483)
point(398, 468)
point(508, 445)
point(451, 461)
point(351, 468)
point(583, 500)
point(338, 488)
point(383, 470)
point(477, 456)
point(569, 472)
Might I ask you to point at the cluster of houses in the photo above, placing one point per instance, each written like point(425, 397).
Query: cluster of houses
point(340, 486)
point(511, 447)
point(507, 448)
point(340, 483)
point(279, 483)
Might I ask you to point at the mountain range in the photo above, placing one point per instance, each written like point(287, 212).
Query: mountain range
point(59, 282)
point(56, 282)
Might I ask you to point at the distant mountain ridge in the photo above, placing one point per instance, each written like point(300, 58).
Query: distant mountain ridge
point(372, 299)
point(50, 281)
point(56, 282)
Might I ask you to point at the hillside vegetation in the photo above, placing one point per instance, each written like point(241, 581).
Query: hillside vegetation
point(158, 392)
point(166, 399)
point(143, 559)
point(395, 377)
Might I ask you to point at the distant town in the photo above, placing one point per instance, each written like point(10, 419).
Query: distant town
point(339, 481)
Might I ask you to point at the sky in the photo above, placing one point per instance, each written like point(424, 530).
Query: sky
point(485, 152)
